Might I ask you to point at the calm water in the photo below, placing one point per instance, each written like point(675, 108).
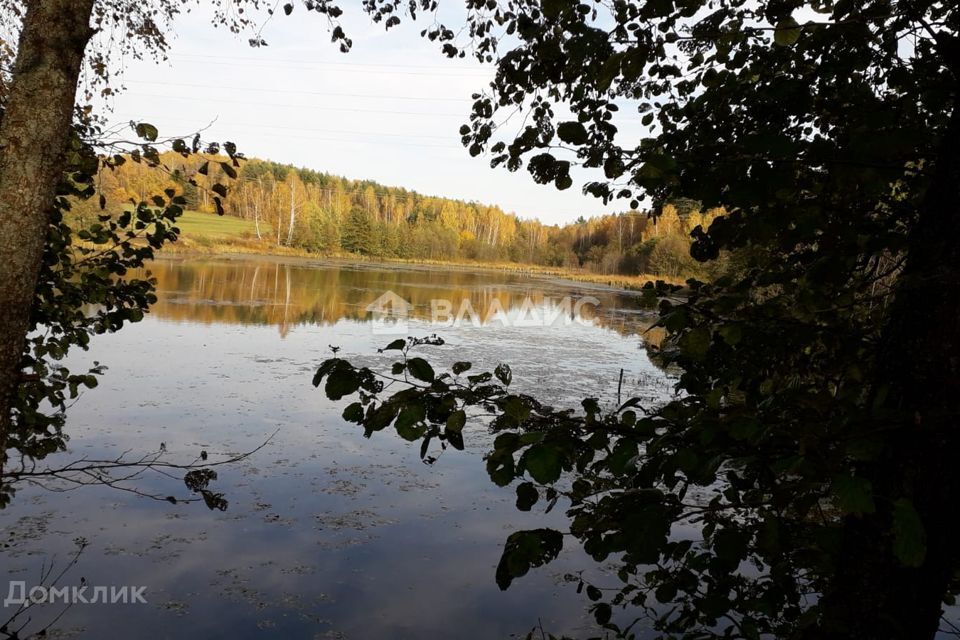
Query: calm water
point(328, 534)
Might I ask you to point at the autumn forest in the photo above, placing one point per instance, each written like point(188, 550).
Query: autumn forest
point(331, 215)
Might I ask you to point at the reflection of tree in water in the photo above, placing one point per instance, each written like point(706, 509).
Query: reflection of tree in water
point(33, 618)
point(127, 474)
point(286, 295)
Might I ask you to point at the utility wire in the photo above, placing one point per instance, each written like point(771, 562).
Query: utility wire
point(313, 93)
point(447, 68)
point(295, 106)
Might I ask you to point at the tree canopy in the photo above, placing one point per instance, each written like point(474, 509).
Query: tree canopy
point(813, 438)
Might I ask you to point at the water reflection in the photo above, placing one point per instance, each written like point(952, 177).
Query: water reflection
point(328, 535)
point(286, 295)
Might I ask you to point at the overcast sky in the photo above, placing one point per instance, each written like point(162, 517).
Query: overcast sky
point(387, 111)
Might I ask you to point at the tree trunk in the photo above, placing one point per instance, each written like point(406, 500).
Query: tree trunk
point(874, 595)
point(34, 131)
point(293, 213)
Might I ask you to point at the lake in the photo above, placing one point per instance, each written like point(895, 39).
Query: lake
point(327, 534)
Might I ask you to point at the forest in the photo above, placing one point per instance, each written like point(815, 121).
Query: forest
point(332, 215)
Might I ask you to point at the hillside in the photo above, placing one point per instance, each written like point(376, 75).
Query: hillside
point(273, 207)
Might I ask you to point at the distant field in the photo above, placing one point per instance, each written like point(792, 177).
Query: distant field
point(196, 225)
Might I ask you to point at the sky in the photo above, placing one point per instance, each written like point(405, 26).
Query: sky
point(388, 111)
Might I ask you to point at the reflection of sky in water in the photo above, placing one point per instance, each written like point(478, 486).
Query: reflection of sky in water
point(327, 534)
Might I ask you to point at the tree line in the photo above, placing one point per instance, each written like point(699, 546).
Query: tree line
point(328, 214)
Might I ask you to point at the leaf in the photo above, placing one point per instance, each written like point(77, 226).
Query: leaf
point(787, 32)
point(147, 131)
point(572, 132)
point(411, 413)
point(504, 374)
point(198, 479)
point(325, 368)
point(552, 8)
point(542, 462)
point(343, 381)
point(527, 496)
point(397, 344)
point(480, 378)
point(353, 413)
point(420, 369)
point(694, 344)
point(909, 535)
point(854, 495)
point(602, 613)
point(460, 367)
point(456, 421)
point(455, 439)
point(731, 333)
point(219, 189)
point(379, 418)
point(524, 550)
point(409, 421)
point(229, 170)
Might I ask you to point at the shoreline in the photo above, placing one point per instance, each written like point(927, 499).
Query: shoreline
point(613, 282)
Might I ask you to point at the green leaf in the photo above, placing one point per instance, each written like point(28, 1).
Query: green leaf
point(854, 495)
point(543, 463)
point(787, 32)
point(460, 367)
point(147, 131)
point(397, 344)
point(411, 414)
point(731, 333)
point(503, 373)
point(909, 535)
point(694, 344)
point(524, 550)
point(456, 421)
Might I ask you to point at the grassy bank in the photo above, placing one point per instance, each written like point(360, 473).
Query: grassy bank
point(209, 234)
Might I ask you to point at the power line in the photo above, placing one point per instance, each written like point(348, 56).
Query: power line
point(296, 106)
point(262, 125)
point(314, 93)
point(338, 64)
point(398, 73)
point(376, 142)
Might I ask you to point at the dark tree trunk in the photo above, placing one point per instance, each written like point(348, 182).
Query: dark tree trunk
point(874, 595)
point(34, 130)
